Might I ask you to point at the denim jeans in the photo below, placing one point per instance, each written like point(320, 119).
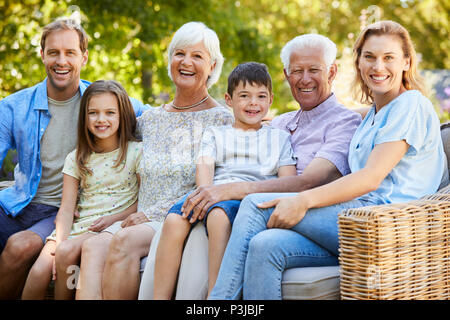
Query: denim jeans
point(256, 257)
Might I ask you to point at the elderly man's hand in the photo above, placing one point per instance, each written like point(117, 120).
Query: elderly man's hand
point(134, 219)
point(287, 213)
point(202, 198)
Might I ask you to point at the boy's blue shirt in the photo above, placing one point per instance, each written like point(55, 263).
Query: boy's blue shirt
point(24, 116)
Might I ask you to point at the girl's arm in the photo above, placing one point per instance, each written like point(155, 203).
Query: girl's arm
point(383, 158)
point(104, 222)
point(285, 171)
point(64, 218)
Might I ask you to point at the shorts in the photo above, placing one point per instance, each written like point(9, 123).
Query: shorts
point(116, 226)
point(230, 207)
point(35, 217)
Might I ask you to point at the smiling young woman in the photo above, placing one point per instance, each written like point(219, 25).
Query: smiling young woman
point(385, 63)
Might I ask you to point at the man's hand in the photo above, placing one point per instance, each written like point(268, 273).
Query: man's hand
point(134, 219)
point(202, 198)
point(287, 213)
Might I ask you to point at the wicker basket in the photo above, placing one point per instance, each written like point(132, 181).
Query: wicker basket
point(397, 251)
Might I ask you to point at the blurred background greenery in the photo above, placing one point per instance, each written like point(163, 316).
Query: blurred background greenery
point(129, 39)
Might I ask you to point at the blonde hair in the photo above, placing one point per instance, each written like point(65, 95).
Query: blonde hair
point(411, 78)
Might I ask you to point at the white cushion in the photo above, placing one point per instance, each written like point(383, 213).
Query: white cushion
point(312, 283)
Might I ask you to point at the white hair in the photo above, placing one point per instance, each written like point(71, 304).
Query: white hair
point(311, 40)
point(194, 32)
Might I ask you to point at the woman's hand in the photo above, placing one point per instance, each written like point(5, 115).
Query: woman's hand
point(287, 213)
point(134, 219)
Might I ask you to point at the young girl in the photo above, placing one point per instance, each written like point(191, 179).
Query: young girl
point(102, 173)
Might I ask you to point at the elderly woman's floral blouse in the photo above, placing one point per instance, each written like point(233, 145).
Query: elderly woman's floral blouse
point(170, 146)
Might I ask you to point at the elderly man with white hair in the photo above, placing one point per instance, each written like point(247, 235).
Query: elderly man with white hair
point(262, 246)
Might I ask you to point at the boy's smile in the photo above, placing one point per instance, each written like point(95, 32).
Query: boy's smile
point(250, 103)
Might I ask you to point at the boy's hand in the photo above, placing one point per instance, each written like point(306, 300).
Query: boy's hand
point(134, 219)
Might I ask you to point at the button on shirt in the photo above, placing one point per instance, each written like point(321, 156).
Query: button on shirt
point(322, 132)
point(24, 118)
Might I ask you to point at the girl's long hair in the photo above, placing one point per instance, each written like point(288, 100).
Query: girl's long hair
point(126, 131)
point(411, 78)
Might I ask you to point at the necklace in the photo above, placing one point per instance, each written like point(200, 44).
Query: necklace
point(192, 105)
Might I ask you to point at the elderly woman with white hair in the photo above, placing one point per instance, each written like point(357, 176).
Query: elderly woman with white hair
point(171, 133)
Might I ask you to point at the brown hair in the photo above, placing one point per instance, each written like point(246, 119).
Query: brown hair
point(251, 72)
point(411, 78)
point(65, 24)
point(127, 124)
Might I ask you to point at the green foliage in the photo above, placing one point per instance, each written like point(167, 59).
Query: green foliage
point(6, 171)
point(129, 38)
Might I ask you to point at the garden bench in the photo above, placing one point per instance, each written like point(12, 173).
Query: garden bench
point(393, 251)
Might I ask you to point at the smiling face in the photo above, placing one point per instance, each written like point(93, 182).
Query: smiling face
point(381, 65)
point(63, 61)
point(308, 77)
point(191, 66)
point(250, 104)
point(103, 120)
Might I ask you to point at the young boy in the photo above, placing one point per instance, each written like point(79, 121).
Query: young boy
point(245, 151)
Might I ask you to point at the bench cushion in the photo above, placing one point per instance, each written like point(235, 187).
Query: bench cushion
point(312, 283)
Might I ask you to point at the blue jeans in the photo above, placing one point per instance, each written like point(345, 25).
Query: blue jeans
point(256, 257)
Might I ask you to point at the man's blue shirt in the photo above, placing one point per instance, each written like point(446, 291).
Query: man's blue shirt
point(24, 116)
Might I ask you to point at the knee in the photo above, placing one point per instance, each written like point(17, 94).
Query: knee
point(176, 226)
point(121, 245)
point(258, 245)
point(39, 271)
point(65, 253)
point(21, 248)
point(217, 218)
point(263, 248)
point(91, 247)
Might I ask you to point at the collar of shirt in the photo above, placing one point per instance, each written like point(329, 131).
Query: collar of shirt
point(41, 99)
point(292, 124)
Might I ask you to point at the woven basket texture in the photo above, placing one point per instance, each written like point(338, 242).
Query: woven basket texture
point(396, 251)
